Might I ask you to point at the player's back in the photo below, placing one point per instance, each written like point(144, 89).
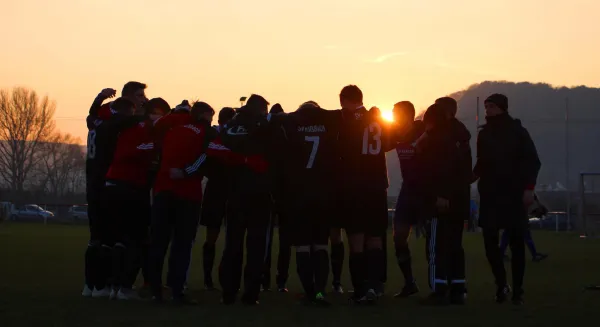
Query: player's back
point(311, 147)
point(101, 145)
point(364, 140)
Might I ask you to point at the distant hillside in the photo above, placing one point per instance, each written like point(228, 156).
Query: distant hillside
point(541, 109)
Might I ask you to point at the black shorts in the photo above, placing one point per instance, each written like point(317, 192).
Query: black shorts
point(309, 218)
point(128, 216)
point(363, 212)
point(214, 206)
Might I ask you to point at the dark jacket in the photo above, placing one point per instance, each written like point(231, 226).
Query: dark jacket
point(248, 134)
point(507, 165)
point(443, 168)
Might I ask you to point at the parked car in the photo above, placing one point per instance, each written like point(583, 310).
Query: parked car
point(30, 212)
point(78, 212)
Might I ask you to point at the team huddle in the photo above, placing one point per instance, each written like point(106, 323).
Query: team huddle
point(313, 172)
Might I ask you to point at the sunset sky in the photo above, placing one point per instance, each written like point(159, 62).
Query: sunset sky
point(291, 51)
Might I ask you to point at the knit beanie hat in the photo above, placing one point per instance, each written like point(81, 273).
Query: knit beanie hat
point(500, 100)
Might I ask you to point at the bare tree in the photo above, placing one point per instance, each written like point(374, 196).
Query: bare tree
point(25, 123)
point(62, 159)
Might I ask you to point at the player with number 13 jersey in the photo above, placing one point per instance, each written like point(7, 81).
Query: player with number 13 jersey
point(363, 182)
point(364, 140)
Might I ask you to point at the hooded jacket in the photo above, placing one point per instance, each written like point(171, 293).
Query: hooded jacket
point(444, 161)
point(507, 165)
point(248, 134)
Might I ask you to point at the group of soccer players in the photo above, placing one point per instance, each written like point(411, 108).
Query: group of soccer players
point(318, 171)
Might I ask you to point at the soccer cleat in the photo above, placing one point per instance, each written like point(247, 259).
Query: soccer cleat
point(338, 289)
point(320, 300)
point(209, 287)
point(517, 299)
point(87, 292)
point(127, 294)
point(502, 293)
point(408, 290)
point(105, 292)
point(357, 300)
point(371, 296)
point(539, 257)
point(265, 288)
point(282, 289)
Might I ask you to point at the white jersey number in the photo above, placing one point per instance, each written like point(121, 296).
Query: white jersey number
point(91, 144)
point(372, 139)
point(315, 147)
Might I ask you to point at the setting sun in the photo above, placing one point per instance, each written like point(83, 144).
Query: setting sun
point(387, 115)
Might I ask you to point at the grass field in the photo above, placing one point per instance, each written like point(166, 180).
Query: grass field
point(41, 275)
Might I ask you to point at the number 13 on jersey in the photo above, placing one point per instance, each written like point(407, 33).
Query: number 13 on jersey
point(372, 139)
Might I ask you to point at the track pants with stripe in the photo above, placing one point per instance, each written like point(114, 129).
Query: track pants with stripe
point(249, 218)
point(175, 221)
point(446, 254)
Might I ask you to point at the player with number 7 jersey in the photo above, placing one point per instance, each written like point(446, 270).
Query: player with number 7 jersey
point(310, 158)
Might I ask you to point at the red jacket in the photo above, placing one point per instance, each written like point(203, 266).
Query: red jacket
point(105, 111)
point(166, 123)
point(133, 154)
point(182, 145)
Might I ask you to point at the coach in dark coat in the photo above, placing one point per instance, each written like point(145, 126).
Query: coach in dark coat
point(507, 167)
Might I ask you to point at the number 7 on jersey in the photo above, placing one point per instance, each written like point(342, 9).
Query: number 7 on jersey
point(313, 153)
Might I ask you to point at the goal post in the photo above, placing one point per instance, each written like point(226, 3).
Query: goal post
point(589, 204)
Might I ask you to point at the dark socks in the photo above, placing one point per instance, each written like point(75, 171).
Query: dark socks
point(104, 265)
point(208, 260)
point(320, 261)
point(91, 265)
point(305, 272)
point(358, 272)
point(144, 262)
point(337, 261)
point(119, 274)
point(375, 264)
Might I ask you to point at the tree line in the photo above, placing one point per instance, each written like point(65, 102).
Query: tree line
point(38, 163)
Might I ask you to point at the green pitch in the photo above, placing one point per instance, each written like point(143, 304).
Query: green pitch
point(41, 276)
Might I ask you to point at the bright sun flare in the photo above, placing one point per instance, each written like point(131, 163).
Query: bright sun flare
point(387, 115)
